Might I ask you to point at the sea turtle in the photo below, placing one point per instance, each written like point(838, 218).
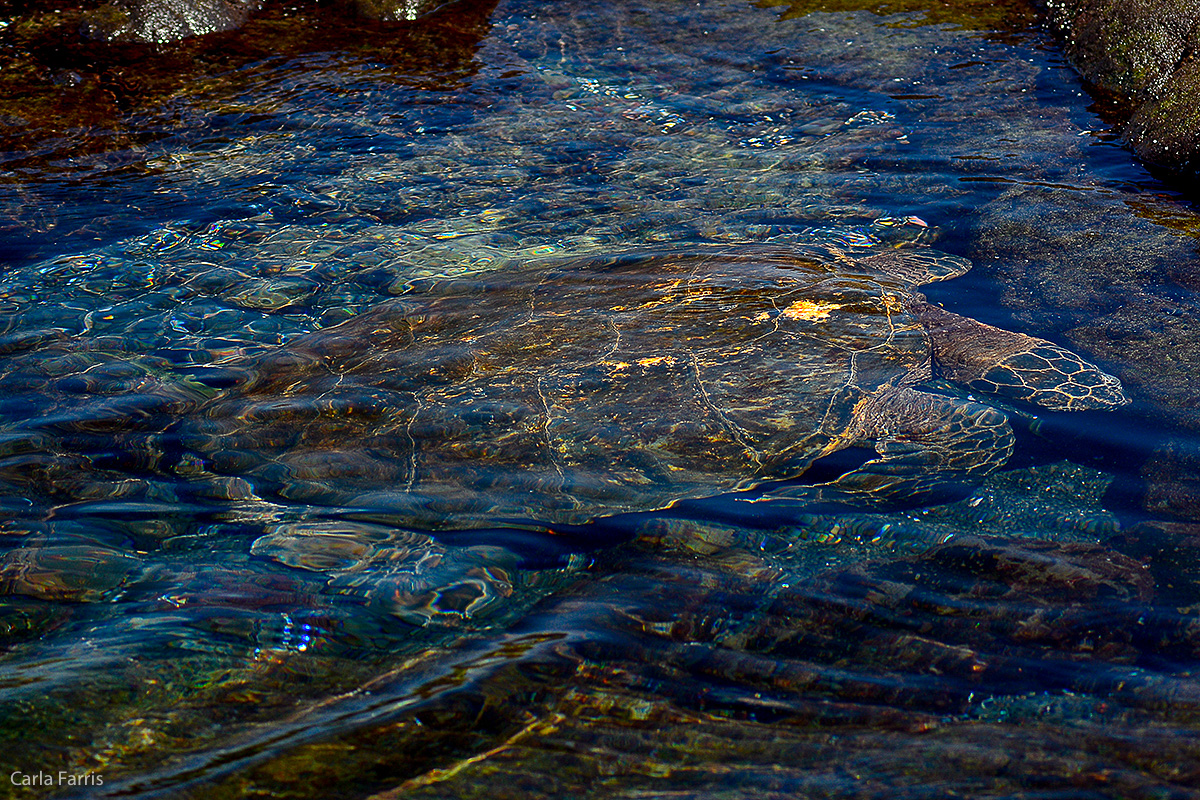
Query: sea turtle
point(555, 394)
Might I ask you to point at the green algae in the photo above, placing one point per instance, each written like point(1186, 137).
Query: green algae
point(1005, 17)
point(1141, 51)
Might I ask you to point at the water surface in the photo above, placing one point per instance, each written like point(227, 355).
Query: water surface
point(180, 630)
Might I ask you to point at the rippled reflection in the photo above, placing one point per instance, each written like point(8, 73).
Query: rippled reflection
point(252, 544)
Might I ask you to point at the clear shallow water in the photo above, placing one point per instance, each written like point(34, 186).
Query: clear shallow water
point(227, 640)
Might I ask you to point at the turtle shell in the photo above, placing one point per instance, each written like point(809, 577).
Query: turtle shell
point(564, 392)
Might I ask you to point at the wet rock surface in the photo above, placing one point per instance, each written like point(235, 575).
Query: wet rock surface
point(1142, 51)
point(158, 21)
point(171, 21)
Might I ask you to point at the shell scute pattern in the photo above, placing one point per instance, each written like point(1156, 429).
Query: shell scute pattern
point(560, 392)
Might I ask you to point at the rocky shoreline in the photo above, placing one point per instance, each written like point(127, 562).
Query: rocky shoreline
point(1143, 53)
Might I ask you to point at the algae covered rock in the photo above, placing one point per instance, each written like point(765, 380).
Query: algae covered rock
point(1166, 130)
point(158, 21)
point(1129, 46)
point(395, 10)
point(162, 21)
point(1141, 51)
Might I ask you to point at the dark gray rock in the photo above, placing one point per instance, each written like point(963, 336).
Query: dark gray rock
point(158, 21)
point(395, 10)
point(1166, 129)
point(1143, 51)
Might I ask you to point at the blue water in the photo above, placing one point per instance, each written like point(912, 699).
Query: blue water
point(183, 626)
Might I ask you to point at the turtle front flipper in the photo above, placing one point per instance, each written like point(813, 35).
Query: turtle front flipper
point(930, 447)
point(1015, 366)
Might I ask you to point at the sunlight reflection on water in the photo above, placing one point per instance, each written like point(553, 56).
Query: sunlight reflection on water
point(187, 632)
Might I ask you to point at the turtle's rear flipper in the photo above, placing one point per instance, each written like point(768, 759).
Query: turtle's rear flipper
point(930, 448)
point(1015, 366)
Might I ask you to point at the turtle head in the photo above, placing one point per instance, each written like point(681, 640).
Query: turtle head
point(1052, 377)
point(1015, 366)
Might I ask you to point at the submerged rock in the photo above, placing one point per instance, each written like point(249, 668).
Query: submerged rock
point(1169, 550)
